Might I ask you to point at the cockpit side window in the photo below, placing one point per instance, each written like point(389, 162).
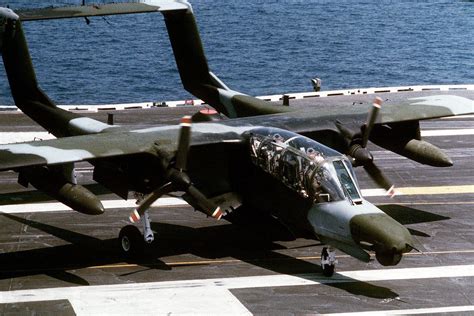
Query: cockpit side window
point(324, 182)
point(347, 183)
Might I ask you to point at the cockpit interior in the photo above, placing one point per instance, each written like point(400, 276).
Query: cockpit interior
point(312, 169)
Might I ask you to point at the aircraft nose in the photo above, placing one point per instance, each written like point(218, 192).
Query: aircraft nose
point(381, 233)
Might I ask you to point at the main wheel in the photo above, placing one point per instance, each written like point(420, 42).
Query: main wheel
point(131, 241)
point(326, 265)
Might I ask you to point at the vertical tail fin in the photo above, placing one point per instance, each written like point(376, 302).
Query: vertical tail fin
point(195, 74)
point(190, 58)
point(20, 72)
point(22, 78)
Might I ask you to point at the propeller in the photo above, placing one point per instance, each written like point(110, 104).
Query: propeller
point(178, 180)
point(358, 148)
point(374, 112)
point(377, 175)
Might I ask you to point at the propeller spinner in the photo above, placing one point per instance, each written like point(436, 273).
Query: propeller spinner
point(178, 180)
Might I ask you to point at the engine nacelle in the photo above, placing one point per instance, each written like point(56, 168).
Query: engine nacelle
point(55, 185)
point(405, 140)
point(426, 153)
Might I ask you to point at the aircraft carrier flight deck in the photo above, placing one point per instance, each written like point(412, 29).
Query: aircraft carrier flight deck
point(56, 261)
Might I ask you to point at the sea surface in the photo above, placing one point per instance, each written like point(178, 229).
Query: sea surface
point(256, 47)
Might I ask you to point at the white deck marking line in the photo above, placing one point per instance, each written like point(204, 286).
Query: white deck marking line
point(108, 204)
point(171, 201)
point(17, 137)
point(448, 132)
point(457, 117)
point(208, 296)
point(434, 310)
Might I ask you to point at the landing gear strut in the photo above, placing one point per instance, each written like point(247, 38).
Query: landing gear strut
point(328, 261)
point(147, 232)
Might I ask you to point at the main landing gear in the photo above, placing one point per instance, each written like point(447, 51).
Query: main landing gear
point(132, 241)
point(328, 261)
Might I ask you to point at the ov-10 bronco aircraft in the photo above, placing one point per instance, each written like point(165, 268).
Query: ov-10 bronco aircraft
point(295, 164)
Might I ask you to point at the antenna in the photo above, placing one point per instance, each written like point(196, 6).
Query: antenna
point(87, 20)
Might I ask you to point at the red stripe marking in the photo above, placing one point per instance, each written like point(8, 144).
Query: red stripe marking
point(391, 192)
point(378, 102)
point(134, 217)
point(217, 213)
point(208, 111)
point(186, 120)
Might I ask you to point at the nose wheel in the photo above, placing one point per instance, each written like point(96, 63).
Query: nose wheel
point(328, 261)
point(131, 241)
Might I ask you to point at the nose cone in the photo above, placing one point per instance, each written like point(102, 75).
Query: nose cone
point(381, 233)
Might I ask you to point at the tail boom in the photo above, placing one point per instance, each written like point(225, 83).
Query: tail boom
point(21, 75)
point(196, 76)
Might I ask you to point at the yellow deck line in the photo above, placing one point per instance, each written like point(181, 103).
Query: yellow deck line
point(452, 189)
point(224, 261)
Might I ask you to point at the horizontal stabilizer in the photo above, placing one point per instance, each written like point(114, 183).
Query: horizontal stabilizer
point(100, 10)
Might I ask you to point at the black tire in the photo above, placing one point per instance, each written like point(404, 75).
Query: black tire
point(328, 269)
point(131, 241)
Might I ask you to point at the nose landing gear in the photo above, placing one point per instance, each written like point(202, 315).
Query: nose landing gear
point(328, 261)
point(132, 242)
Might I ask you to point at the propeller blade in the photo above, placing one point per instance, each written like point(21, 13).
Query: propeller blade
point(377, 175)
point(183, 143)
point(209, 207)
point(374, 112)
point(347, 133)
point(148, 201)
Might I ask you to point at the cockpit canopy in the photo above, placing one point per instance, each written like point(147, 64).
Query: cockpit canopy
point(312, 169)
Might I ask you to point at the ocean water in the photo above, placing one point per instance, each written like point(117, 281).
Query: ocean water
point(256, 47)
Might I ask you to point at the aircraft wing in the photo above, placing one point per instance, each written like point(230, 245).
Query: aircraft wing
point(427, 107)
point(164, 139)
point(99, 10)
point(316, 121)
point(158, 141)
point(70, 149)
